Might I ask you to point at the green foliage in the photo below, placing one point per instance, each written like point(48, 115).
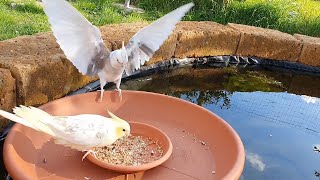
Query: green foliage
point(292, 16)
point(21, 19)
point(202, 98)
point(25, 17)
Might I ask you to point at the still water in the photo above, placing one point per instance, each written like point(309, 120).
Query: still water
point(276, 113)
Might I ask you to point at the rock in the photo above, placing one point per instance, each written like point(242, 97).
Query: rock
point(41, 44)
point(310, 54)
point(40, 68)
point(266, 43)
point(7, 93)
point(200, 39)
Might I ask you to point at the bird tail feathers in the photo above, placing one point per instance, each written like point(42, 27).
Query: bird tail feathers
point(32, 117)
point(15, 118)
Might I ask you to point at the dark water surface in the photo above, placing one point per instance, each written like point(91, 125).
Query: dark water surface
point(276, 113)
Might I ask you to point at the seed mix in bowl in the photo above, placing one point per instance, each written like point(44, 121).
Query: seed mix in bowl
point(130, 151)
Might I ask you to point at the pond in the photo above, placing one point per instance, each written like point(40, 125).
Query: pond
point(276, 112)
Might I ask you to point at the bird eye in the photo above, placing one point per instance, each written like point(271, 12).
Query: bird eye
point(123, 130)
point(118, 60)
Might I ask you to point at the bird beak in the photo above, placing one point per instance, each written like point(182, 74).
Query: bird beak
point(128, 134)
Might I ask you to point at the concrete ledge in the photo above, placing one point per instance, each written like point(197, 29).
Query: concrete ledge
point(310, 54)
point(267, 43)
point(7, 90)
point(7, 93)
point(199, 39)
point(42, 73)
point(40, 68)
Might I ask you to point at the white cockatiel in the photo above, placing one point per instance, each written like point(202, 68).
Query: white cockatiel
point(83, 46)
point(80, 132)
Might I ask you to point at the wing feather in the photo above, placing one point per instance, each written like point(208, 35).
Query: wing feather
point(80, 131)
point(78, 38)
point(148, 40)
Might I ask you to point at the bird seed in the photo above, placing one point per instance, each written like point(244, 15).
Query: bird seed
point(130, 151)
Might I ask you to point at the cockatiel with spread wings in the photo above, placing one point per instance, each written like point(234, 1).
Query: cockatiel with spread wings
point(82, 44)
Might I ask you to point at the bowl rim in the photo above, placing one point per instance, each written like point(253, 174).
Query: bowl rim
point(143, 167)
point(234, 172)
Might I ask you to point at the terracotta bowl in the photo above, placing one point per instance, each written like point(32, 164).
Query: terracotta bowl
point(146, 131)
point(204, 145)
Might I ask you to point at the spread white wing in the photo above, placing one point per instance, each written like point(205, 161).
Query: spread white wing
point(148, 40)
point(78, 38)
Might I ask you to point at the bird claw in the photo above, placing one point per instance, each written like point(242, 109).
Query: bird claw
point(120, 92)
point(87, 153)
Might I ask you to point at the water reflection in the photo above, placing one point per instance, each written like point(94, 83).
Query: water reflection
point(276, 114)
point(219, 97)
point(255, 161)
point(309, 99)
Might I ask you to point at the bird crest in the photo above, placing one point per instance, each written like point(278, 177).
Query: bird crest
point(114, 117)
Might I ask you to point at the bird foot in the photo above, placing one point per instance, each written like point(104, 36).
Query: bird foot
point(87, 153)
point(119, 93)
point(101, 96)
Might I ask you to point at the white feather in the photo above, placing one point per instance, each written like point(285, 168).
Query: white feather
point(31, 117)
point(77, 37)
point(83, 45)
point(36, 117)
point(153, 36)
point(15, 118)
point(78, 132)
point(85, 130)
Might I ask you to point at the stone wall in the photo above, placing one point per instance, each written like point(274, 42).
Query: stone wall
point(7, 92)
point(34, 70)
